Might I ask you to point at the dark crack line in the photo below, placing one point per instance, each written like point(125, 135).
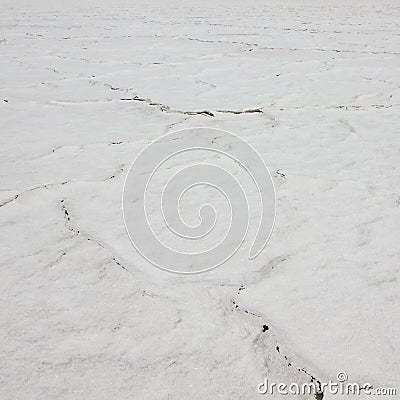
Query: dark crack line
point(119, 171)
point(167, 109)
point(45, 186)
point(336, 107)
point(84, 146)
point(174, 124)
point(207, 113)
point(330, 50)
point(290, 364)
point(58, 259)
point(266, 328)
point(258, 110)
point(9, 200)
point(247, 111)
point(220, 41)
point(77, 233)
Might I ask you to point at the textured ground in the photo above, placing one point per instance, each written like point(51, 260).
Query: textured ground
point(84, 87)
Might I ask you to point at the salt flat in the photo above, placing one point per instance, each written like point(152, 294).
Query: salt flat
point(85, 86)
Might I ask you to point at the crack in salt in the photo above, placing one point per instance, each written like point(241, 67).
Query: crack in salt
point(45, 186)
point(78, 233)
point(266, 328)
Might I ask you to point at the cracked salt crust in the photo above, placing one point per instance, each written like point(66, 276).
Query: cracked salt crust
point(313, 86)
